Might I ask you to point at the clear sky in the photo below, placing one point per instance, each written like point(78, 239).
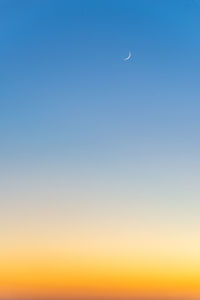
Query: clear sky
point(99, 158)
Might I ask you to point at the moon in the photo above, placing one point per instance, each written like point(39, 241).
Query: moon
point(128, 57)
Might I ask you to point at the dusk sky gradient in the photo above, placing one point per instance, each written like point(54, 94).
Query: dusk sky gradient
point(100, 158)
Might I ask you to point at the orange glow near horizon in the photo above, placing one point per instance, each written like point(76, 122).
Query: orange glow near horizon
point(150, 265)
point(96, 277)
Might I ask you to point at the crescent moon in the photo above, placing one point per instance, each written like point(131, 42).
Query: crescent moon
point(128, 57)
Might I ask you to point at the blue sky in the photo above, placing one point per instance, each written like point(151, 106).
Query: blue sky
point(69, 103)
point(63, 80)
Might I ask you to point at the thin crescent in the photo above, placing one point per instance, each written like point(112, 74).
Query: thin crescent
point(129, 56)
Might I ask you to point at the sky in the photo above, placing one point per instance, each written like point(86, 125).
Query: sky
point(99, 157)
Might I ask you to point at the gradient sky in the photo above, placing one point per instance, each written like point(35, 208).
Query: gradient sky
point(99, 158)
